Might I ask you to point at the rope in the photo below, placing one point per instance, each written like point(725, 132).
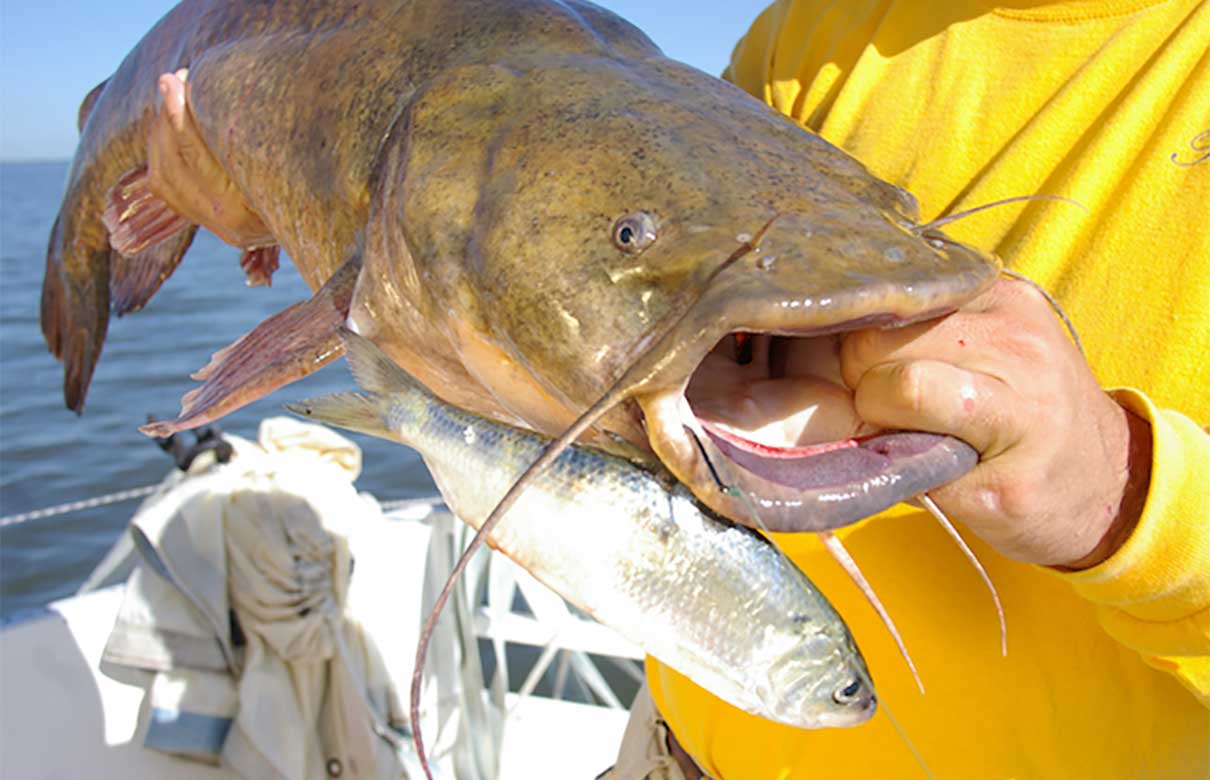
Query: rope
point(146, 490)
point(407, 503)
point(76, 506)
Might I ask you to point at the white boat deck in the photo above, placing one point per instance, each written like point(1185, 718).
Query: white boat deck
point(61, 718)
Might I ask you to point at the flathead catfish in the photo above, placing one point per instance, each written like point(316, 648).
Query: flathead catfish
point(524, 204)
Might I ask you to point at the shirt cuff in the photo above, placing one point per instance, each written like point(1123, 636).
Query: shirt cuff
point(1156, 587)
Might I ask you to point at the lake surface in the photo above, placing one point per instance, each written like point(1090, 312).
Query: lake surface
point(49, 456)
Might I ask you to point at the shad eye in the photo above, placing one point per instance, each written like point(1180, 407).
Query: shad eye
point(634, 232)
point(847, 694)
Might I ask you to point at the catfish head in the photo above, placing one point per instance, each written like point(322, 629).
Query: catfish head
point(552, 232)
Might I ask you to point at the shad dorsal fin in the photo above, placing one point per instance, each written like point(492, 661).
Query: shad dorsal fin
point(288, 346)
point(373, 370)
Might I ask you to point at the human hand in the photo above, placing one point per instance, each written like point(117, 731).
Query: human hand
point(1064, 469)
point(185, 174)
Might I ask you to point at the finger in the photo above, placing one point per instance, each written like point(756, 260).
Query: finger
point(172, 89)
point(955, 339)
point(975, 337)
point(934, 396)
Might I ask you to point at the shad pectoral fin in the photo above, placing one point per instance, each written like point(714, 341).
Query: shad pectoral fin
point(288, 346)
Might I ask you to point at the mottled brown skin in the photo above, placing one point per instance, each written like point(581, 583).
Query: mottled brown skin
point(475, 155)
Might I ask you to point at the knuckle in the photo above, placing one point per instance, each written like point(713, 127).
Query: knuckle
point(910, 381)
point(1018, 292)
point(858, 352)
point(1031, 345)
point(1017, 496)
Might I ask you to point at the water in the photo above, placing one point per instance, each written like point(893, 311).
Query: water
point(50, 456)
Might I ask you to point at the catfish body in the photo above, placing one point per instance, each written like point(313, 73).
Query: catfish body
point(519, 201)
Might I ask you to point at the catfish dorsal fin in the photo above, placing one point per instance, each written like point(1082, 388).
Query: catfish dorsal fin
point(372, 369)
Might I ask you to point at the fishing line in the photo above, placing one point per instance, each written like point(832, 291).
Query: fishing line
point(903, 735)
point(718, 481)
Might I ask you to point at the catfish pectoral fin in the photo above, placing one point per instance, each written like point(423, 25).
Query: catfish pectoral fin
point(133, 280)
point(288, 346)
point(148, 240)
point(259, 263)
point(136, 218)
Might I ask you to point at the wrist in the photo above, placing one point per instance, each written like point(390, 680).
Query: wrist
point(1133, 495)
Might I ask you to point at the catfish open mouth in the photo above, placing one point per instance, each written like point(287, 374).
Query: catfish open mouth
point(769, 419)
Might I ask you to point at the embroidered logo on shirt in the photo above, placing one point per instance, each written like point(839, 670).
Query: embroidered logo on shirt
point(1200, 144)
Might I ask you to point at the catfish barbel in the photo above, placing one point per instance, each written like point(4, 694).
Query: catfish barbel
point(631, 547)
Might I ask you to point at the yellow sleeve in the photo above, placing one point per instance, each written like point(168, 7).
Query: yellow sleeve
point(1153, 594)
point(750, 61)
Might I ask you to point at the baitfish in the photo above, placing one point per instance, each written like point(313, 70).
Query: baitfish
point(530, 209)
point(632, 547)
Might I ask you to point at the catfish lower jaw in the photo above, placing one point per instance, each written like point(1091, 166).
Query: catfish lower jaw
point(831, 487)
point(764, 432)
point(825, 489)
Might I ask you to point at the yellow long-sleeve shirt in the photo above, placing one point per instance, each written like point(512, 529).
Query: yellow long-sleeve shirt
point(1106, 102)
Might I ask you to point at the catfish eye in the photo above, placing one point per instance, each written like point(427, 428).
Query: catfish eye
point(847, 694)
point(634, 232)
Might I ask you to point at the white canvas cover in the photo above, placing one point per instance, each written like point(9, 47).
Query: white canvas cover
point(237, 616)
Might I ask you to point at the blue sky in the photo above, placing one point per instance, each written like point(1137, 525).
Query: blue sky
point(53, 51)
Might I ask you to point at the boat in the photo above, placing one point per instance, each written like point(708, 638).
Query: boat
point(555, 707)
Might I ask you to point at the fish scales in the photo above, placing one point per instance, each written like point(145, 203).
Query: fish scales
point(634, 549)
